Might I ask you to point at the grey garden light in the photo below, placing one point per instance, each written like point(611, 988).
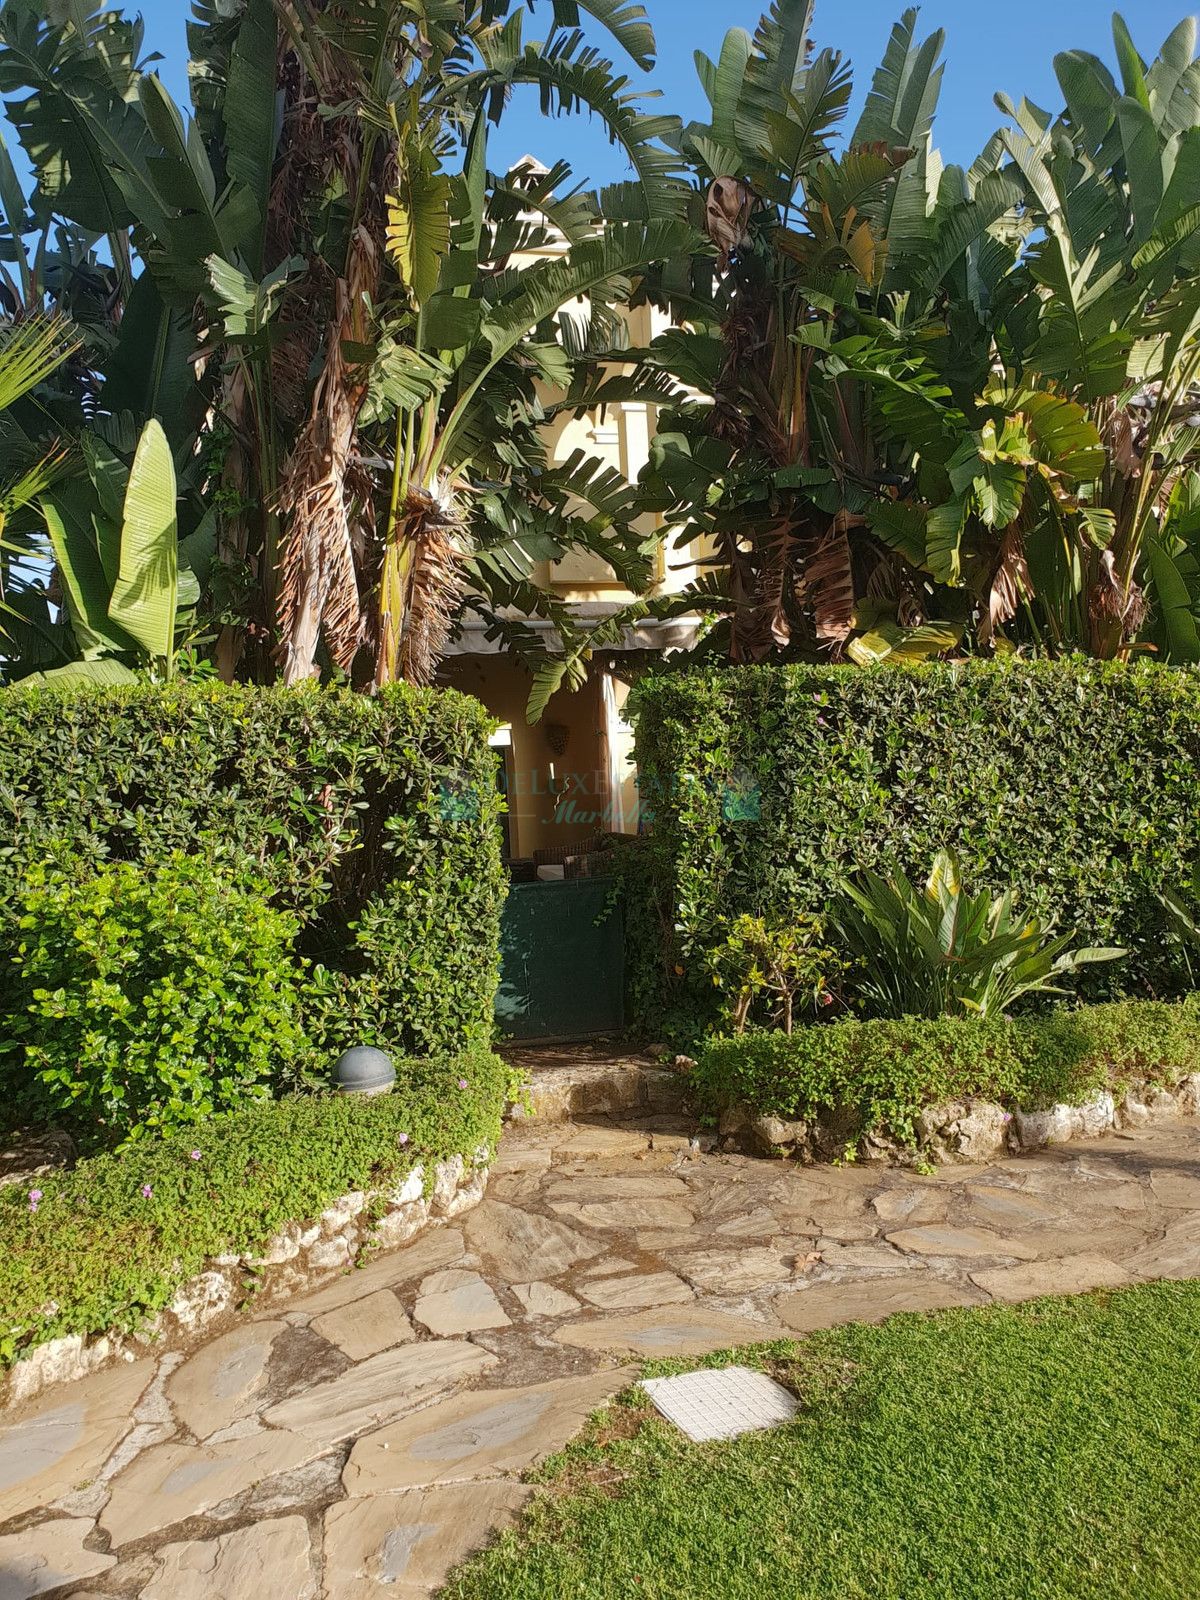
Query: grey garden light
point(365, 1070)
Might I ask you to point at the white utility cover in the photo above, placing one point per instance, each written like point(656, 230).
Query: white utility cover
point(722, 1404)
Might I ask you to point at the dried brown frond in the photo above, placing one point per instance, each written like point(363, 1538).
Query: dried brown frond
point(434, 584)
point(1010, 582)
point(826, 581)
point(1111, 603)
point(318, 593)
point(898, 155)
point(727, 211)
point(763, 625)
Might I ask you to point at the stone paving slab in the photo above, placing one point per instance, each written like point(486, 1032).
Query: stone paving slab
point(171, 1483)
point(269, 1561)
point(392, 1547)
point(828, 1305)
point(482, 1434)
point(1175, 1255)
point(455, 1302)
point(379, 1389)
point(366, 1327)
point(218, 1385)
point(1068, 1275)
point(971, 1243)
point(65, 1437)
point(673, 1331)
point(356, 1442)
point(522, 1244)
point(735, 1271)
point(636, 1292)
point(441, 1247)
point(544, 1300)
point(47, 1557)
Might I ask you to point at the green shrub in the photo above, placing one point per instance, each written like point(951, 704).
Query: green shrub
point(108, 1244)
point(938, 951)
point(148, 998)
point(374, 820)
point(1076, 783)
point(782, 961)
point(884, 1072)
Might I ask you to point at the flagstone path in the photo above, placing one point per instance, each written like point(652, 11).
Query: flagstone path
point(356, 1443)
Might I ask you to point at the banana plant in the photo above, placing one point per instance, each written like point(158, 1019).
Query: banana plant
point(765, 460)
point(320, 132)
point(114, 537)
point(1111, 317)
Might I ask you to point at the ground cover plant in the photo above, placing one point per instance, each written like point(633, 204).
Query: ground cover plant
point(107, 1244)
point(881, 1074)
point(1050, 1451)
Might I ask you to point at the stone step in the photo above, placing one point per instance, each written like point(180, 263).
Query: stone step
point(623, 1087)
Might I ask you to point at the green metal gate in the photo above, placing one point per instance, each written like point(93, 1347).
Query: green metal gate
point(563, 961)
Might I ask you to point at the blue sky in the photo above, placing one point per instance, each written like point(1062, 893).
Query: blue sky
point(988, 48)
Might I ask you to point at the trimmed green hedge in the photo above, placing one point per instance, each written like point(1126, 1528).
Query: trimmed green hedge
point(96, 1252)
point(1076, 782)
point(373, 819)
point(884, 1073)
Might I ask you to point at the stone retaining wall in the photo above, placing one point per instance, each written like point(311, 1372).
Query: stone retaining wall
point(962, 1130)
point(301, 1256)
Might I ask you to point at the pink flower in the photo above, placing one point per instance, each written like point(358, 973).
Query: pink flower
point(821, 723)
point(826, 999)
point(35, 1196)
point(462, 1083)
point(147, 1191)
point(194, 1156)
point(402, 1138)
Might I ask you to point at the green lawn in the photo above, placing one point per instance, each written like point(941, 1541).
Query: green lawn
point(1050, 1450)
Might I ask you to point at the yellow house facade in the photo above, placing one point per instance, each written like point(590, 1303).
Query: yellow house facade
point(571, 775)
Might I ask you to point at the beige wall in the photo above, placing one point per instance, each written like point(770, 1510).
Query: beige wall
point(553, 798)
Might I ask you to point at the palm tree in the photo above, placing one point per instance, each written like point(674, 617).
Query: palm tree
point(767, 459)
point(291, 310)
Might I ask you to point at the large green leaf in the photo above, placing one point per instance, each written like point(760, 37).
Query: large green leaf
point(418, 233)
point(251, 116)
point(148, 373)
point(104, 672)
point(145, 595)
point(81, 571)
point(722, 81)
point(1144, 164)
point(617, 254)
point(626, 20)
point(889, 641)
point(1133, 68)
point(1090, 93)
point(247, 308)
point(776, 73)
point(583, 82)
point(903, 99)
point(1175, 578)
